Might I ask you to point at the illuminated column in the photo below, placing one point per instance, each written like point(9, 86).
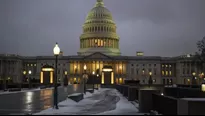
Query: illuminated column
point(112, 78)
point(113, 43)
point(122, 66)
point(51, 77)
point(41, 80)
point(102, 79)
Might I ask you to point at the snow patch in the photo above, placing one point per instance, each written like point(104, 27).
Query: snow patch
point(88, 94)
point(74, 94)
point(123, 107)
point(194, 99)
point(70, 107)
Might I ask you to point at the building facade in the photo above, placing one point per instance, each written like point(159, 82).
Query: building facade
point(100, 53)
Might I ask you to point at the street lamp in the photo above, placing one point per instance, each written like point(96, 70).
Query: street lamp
point(85, 77)
point(193, 78)
point(93, 79)
point(56, 51)
point(150, 79)
point(29, 79)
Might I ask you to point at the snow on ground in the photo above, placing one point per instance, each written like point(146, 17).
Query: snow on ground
point(124, 107)
point(193, 99)
point(102, 102)
point(74, 94)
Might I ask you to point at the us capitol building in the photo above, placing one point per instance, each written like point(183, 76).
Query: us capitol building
point(100, 52)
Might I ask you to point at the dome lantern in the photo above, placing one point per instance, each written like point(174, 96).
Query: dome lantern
point(99, 3)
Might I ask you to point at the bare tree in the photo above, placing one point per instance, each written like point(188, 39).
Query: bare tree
point(200, 55)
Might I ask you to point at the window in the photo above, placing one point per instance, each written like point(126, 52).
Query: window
point(188, 71)
point(167, 81)
point(155, 65)
point(132, 65)
point(58, 71)
point(142, 64)
point(162, 73)
point(183, 71)
point(170, 73)
point(150, 65)
point(137, 71)
point(137, 65)
point(166, 65)
point(150, 70)
point(31, 64)
point(143, 71)
point(170, 65)
point(163, 66)
point(163, 81)
point(41, 64)
point(155, 72)
point(170, 81)
point(27, 64)
point(34, 64)
point(167, 73)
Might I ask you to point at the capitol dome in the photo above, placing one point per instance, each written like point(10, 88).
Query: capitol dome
point(99, 32)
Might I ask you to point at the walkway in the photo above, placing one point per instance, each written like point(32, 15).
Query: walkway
point(102, 102)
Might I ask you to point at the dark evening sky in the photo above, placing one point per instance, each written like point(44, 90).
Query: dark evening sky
point(157, 27)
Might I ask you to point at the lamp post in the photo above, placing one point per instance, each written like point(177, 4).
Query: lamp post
point(85, 78)
point(193, 78)
point(150, 79)
point(93, 79)
point(202, 77)
point(24, 77)
point(98, 81)
point(29, 79)
point(56, 51)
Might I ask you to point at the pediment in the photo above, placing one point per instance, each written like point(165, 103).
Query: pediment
point(97, 55)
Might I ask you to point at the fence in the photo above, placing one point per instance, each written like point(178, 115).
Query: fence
point(164, 105)
point(184, 92)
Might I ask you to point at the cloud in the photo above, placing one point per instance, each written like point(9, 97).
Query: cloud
point(157, 27)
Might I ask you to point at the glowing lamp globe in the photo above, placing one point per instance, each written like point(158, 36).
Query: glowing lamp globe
point(85, 67)
point(150, 73)
point(193, 73)
point(203, 87)
point(29, 72)
point(56, 50)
